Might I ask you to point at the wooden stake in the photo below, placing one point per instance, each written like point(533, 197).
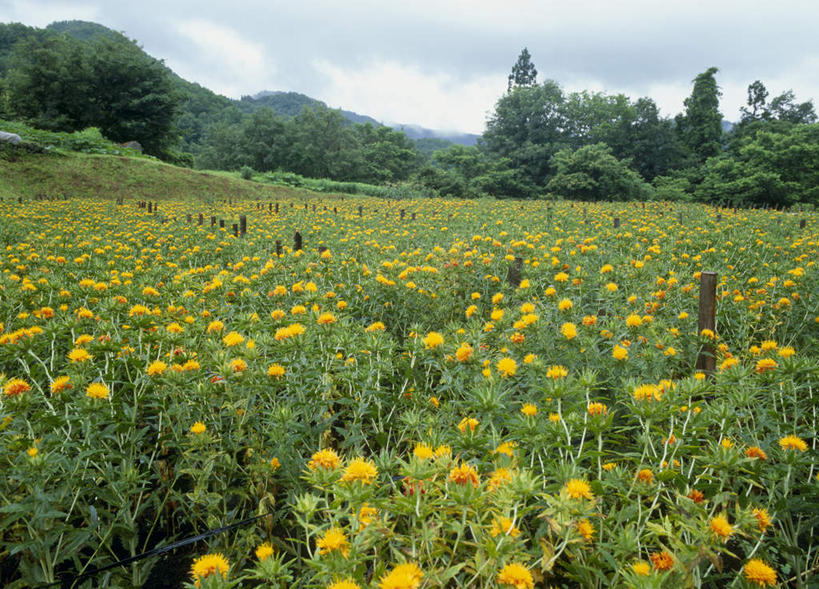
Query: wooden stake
point(513, 276)
point(297, 241)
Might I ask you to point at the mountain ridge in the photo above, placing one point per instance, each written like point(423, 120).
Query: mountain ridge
point(283, 102)
point(279, 99)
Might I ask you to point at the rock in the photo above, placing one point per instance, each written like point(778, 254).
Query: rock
point(135, 145)
point(12, 138)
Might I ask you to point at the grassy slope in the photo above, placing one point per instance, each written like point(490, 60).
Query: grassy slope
point(108, 176)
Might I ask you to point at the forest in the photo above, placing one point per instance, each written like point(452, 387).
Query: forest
point(540, 141)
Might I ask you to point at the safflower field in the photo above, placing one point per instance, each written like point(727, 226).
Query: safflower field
point(401, 403)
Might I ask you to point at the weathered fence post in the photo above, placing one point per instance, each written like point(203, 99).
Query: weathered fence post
point(802, 223)
point(235, 230)
point(360, 210)
point(413, 216)
point(243, 225)
point(617, 222)
point(706, 361)
point(221, 223)
point(402, 213)
point(212, 221)
point(201, 218)
point(297, 241)
point(188, 217)
point(513, 276)
point(278, 248)
point(150, 208)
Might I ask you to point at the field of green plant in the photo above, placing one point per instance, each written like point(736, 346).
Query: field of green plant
point(397, 411)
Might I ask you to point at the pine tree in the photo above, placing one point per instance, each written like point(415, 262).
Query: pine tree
point(700, 127)
point(523, 72)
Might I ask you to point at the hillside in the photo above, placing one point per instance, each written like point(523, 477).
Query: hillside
point(77, 174)
point(202, 103)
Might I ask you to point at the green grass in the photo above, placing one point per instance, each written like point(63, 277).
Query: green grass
point(77, 174)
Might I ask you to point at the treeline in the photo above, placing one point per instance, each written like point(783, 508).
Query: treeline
point(540, 141)
point(318, 142)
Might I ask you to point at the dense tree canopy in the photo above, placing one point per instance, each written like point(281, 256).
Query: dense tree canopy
point(769, 168)
point(593, 173)
point(57, 82)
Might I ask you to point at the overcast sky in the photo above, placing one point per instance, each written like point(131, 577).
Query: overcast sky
point(443, 63)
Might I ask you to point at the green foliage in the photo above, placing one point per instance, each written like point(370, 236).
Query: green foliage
point(246, 172)
point(523, 72)
point(701, 126)
point(531, 124)
point(527, 128)
point(769, 168)
point(318, 143)
point(393, 192)
point(593, 173)
point(59, 83)
point(83, 30)
point(674, 188)
point(429, 145)
point(88, 140)
point(781, 108)
point(441, 181)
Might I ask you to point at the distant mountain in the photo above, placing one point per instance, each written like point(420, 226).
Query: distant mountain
point(202, 104)
point(727, 126)
point(417, 132)
point(291, 103)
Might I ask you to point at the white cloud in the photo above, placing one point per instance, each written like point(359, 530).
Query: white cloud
point(221, 59)
point(392, 92)
point(36, 13)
